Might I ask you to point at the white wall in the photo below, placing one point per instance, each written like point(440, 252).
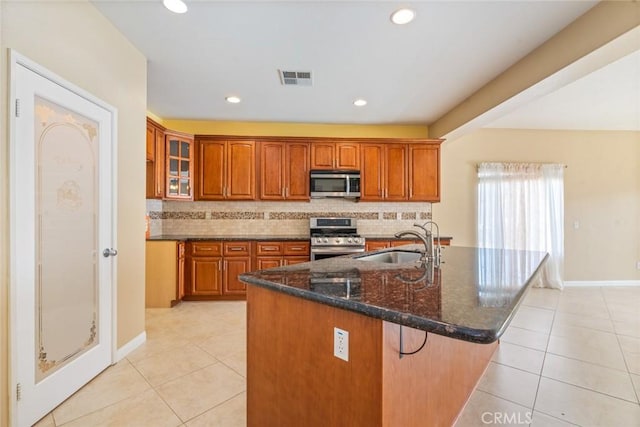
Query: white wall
point(602, 193)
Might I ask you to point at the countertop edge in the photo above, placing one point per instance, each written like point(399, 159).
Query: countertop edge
point(480, 336)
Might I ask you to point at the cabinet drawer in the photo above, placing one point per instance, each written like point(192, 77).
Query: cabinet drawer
point(237, 248)
point(269, 248)
point(296, 248)
point(206, 248)
point(395, 243)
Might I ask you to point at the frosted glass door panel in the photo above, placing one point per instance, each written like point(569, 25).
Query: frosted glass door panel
point(66, 236)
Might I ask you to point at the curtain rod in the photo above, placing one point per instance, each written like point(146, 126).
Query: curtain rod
point(525, 163)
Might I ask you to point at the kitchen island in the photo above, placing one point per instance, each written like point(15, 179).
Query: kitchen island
point(419, 336)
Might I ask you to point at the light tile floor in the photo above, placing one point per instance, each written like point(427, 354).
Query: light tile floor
point(568, 358)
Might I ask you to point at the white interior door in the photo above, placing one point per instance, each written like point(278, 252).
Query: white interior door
point(62, 144)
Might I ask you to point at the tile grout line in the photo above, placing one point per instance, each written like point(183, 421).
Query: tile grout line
point(104, 407)
point(535, 399)
point(624, 357)
point(213, 407)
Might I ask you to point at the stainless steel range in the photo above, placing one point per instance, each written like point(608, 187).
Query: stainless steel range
point(332, 237)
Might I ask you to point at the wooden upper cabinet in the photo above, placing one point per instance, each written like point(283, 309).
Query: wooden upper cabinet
point(395, 172)
point(225, 170)
point(210, 170)
point(178, 166)
point(424, 172)
point(151, 142)
point(323, 155)
point(284, 170)
point(383, 172)
point(348, 155)
point(372, 171)
point(335, 155)
point(155, 160)
point(272, 166)
point(241, 170)
point(297, 171)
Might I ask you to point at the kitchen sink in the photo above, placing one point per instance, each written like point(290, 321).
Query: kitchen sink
point(392, 257)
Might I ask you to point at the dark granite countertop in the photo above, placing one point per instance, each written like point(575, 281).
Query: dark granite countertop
point(472, 296)
point(183, 238)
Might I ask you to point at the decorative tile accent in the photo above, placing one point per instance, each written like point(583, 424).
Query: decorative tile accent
point(155, 215)
point(425, 215)
point(270, 218)
point(183, 215)
point(176, 215)
point(237, 215)
point(307, 215)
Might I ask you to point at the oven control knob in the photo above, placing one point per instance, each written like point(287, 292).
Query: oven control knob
point(350, 240)
point(338, 241)
point(326, 240)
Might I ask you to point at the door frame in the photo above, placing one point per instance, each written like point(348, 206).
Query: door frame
point(16, 59)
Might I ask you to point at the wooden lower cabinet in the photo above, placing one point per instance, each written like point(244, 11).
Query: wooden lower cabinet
point(264, 262)
point(375, 245)
point(233, 267)
point(181, 247)
point(278, 253)
point(211, 267)
point(291, 260)
point(206, 277)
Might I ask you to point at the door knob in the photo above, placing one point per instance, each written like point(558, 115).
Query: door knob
point(109, 252)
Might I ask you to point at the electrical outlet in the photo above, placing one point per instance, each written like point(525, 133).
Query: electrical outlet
point(638, 265)
point(341, 344)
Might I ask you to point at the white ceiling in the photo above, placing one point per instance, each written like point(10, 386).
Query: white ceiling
point(408, 74)
point(606, 99)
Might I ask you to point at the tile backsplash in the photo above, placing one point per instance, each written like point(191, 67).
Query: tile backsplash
point(261, 218)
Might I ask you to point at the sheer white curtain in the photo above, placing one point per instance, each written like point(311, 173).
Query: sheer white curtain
point(521, 206)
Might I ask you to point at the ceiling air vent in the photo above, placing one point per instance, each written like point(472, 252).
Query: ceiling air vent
point(295, 78)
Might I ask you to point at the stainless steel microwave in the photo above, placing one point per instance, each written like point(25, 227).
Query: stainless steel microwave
point(332, 183)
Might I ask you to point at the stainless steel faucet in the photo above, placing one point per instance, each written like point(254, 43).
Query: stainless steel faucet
point(436, 251)
point(428, 247)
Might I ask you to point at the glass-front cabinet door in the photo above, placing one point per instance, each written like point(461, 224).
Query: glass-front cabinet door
point(179, 174)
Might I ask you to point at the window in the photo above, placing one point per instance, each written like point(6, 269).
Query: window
point(521, 206)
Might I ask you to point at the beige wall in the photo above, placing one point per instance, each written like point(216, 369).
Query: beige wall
point(602, 193)
point(75, 41)
point(211, 127)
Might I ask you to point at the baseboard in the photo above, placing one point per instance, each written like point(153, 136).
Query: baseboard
point(123, 351)
point(601, 283)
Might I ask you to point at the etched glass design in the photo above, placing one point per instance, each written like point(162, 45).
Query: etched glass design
point(66, 209)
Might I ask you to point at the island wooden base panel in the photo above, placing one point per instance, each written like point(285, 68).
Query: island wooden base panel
point(293, 379)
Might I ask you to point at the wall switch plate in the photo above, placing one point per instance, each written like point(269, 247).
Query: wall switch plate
point(638, 265)
point(341, 344)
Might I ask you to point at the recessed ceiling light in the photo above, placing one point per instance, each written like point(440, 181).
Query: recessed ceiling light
point(402, 16)
point(360, 102)
point(176, 6)
point(233, 99)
